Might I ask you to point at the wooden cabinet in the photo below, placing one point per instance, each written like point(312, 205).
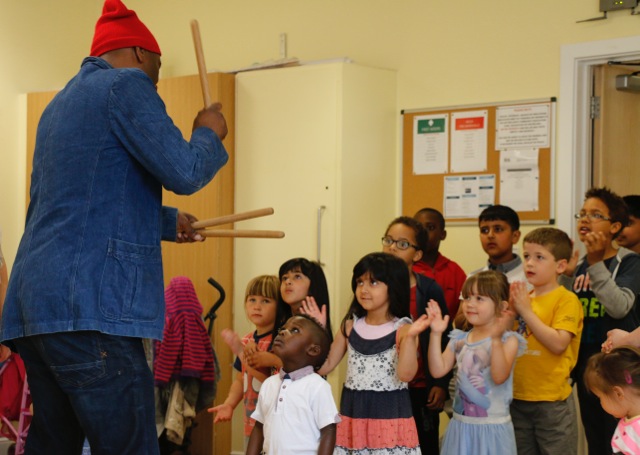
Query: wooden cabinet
point(314, 140)
point(214, 257)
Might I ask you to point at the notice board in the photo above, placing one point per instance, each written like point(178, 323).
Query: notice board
point(480, 144)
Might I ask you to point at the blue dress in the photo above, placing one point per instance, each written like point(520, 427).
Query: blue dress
point(481, 422)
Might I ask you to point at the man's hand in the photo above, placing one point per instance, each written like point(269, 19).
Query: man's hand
point(212, 118)
point(186, 234)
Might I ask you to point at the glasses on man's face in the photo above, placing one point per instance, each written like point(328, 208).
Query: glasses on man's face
point(400, 244)
point(592, 216)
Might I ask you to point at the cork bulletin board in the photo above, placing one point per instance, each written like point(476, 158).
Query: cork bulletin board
point(506, 127)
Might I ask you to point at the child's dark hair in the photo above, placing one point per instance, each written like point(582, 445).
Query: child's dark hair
point(618, 211)
point(388, 269)
point(555, 240)
point(501, 213)
point(633, 204)
point(433, 211)
point(318, 288)
point(320, 336)
point(269, 286)
point(620, 367)
point(489, 283)
point(420, 233)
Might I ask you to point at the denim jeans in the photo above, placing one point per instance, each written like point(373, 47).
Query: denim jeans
point(89, 384)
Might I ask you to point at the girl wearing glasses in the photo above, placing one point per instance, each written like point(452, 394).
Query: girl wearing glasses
point(607, 282)
point(406, 239)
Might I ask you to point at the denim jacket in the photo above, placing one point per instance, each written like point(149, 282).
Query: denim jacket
point(89, 258)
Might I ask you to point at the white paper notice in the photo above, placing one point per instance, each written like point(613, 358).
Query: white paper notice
point(469, 141)
point(522, 127)
point(466, 196)
point(519, 179)
point(430, 144)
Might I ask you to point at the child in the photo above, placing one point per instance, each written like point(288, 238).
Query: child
point(630, 235)
point(550, 319)
point(485, 355)
point(260, 305)
point(448, 274)
point(406, 239)
point(303, 287)
point(607, 282)
point(499, 232)
point(615, 379)
point(382, 342)
point(296, 413)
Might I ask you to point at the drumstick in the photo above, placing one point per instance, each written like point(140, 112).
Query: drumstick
point(226, 219)
point(252, 233)
point(202, 69)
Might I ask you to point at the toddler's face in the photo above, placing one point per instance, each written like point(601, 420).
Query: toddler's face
point(540, 266)
point(293, 339)
point(479, 309)
point(261, 311)
point(294, 286)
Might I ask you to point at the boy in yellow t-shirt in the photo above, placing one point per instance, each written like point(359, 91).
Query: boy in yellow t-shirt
point(550, 318)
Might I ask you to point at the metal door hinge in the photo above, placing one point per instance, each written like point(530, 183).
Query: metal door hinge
point(595, 107)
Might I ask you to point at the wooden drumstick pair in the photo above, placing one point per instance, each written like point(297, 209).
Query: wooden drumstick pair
point(201, 226)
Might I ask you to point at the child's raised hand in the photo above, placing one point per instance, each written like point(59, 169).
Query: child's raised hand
point(519, 298)
point(438, 324)
point(596, 244)
point(232, 339)
point(262, 359)
point(310, 308)
point(572, 264)
point(615, 338)
point(503, 323)
point(223, 413)
point(419, 325)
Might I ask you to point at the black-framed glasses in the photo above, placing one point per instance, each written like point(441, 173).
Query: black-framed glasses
point(400, 244)
point(591, 216)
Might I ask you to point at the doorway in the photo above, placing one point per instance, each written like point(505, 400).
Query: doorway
point(575, 129)
point(616, 135)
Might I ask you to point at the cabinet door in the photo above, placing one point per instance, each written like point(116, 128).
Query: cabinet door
point(288, 132)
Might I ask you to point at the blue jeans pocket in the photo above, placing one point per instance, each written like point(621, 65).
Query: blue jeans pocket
point(77, 359)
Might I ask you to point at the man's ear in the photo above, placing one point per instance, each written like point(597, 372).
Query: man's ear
point(140, 54)
point(444, 235)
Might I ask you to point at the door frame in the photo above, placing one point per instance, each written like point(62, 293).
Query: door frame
point(574, 124)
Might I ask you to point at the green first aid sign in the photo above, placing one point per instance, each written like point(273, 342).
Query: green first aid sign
point(432, 125)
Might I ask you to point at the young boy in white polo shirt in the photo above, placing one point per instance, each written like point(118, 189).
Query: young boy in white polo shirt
point(296, 413)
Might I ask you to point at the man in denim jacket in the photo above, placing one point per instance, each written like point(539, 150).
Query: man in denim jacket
point(87, 282)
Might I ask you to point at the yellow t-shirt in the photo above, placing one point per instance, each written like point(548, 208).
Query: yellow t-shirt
point(540, 375)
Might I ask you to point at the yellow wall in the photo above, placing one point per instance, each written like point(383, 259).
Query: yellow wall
point(476, 52)
point(444, 55)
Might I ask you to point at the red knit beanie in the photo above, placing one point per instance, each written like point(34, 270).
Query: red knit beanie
point(119, 27)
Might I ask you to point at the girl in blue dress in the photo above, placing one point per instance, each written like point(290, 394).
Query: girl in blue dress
point(485, 356)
